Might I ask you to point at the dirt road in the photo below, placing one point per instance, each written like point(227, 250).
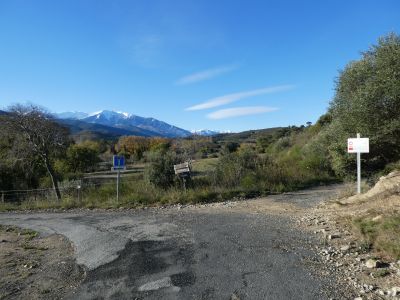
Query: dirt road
point(236, 250)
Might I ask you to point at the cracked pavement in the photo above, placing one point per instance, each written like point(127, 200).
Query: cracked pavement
point(237, 250)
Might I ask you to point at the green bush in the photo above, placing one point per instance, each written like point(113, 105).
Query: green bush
point(160, 172)
point(233, 167)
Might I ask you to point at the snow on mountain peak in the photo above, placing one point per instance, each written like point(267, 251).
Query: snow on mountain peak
point(95, 113)
point(108, 114)
point(125, 114)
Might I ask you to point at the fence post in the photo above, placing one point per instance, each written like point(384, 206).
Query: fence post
point(2, 196)
point(79, 190)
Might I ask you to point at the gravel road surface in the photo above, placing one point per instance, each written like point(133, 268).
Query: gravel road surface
point(236, 250)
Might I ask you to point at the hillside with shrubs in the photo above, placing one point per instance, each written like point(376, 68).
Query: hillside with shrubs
point(41, 163)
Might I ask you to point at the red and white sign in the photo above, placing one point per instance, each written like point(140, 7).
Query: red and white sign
point(356, 145)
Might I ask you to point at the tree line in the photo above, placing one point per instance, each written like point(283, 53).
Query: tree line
point(35, 150)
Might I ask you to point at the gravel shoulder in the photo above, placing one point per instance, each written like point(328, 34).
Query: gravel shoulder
point(348, 250)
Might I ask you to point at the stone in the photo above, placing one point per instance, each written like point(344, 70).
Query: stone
point(395, 291)
point(358, 298)
point(155, 285)
point(333, 236)
point(345, 248)
point(235, 297)
point(377, 218)
point(372, 263)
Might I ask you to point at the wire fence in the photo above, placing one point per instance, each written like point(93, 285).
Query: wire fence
point(73, 189)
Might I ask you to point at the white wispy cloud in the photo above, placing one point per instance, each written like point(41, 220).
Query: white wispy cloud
point(226, 99)
point(239, 111)
point(205, 74)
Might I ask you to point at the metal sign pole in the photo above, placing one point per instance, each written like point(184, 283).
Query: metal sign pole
point(358, 169)
point(118, 165)
point(118, 185)
point(358, 145)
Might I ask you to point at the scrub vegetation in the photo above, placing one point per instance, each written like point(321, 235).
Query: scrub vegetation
point(381, 234)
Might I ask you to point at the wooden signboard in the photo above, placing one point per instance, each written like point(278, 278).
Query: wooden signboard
point(181, 169)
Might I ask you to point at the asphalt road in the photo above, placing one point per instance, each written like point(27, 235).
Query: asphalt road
point(244, 250)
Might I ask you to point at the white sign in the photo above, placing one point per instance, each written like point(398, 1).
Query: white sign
point(358, 145)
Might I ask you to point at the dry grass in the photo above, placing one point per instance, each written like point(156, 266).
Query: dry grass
point(374, 216)
point(381, 232)
point(350, 190)
point(204, 166)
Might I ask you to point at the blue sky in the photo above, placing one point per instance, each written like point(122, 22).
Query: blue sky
point(226, 65)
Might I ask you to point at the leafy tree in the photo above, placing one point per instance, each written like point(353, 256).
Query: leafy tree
point(82, 157)
point(18, 168)
point(230, 147)
point(158, 143)
point(133, 146)
point(37, 136)
point(367, 101)
point(160, 172)
point(324, 120)
point(233, 167)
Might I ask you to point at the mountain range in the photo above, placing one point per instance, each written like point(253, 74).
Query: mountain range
point(112, 124)
point(122, 123)
point(125, 122)
point(207, 132)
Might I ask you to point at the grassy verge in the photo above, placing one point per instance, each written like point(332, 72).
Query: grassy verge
point(136, 193)
point(243, 175)
point(380, 233)
point(135, 197)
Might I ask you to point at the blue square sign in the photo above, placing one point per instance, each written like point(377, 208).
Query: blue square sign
point(118, 162)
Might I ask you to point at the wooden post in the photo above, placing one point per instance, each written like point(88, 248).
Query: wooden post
point(184, 183)
point(79, 187)
point(79, 194)
point(2, 196)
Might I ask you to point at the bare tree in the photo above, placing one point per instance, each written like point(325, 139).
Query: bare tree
point(42, 137)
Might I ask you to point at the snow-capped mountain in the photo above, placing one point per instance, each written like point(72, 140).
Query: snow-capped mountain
point(207, 132)
point(126, 121)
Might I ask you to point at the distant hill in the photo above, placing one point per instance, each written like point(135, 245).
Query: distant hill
point(249, 136)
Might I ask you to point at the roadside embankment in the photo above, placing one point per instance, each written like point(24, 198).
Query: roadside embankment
point(361, 234)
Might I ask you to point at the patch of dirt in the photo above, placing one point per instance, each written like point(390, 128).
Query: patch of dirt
point(33, 267)
point(257, 205)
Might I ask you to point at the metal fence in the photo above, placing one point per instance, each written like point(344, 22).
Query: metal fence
point(73, 190)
